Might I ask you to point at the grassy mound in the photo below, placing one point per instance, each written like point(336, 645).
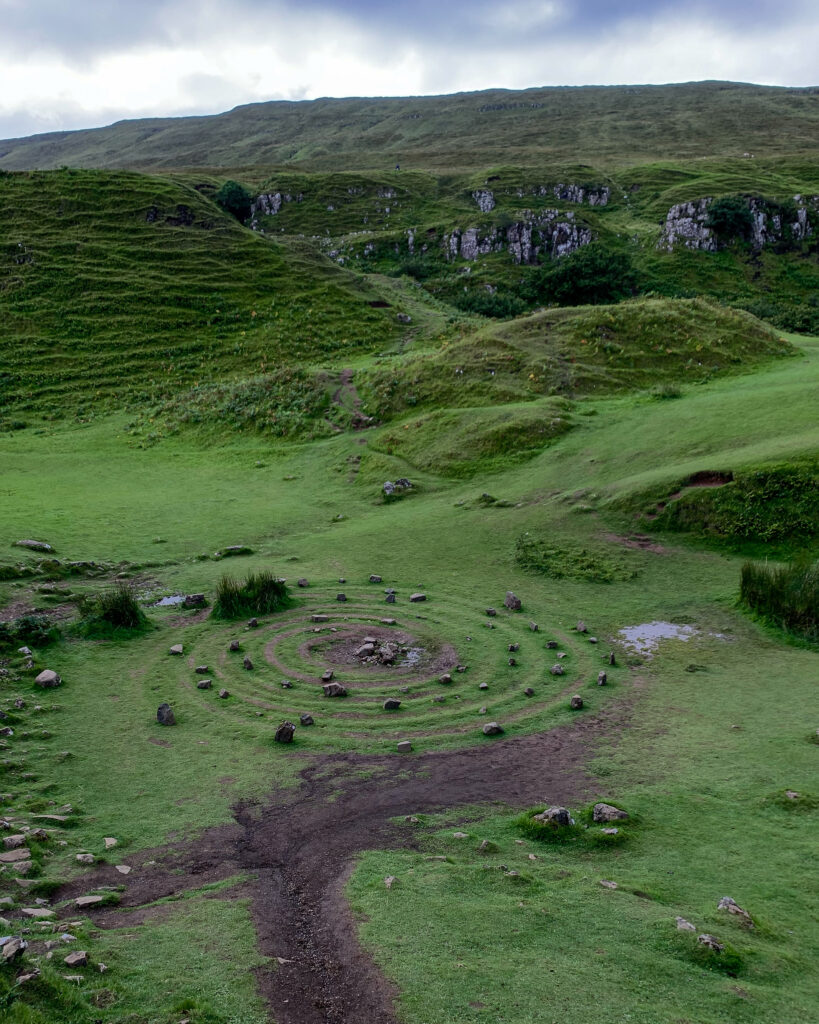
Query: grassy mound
point(288, 403)
point(594, 350)
point(772, 503)
point(787, 596)
point(118, 288)
point(565, 560)
point(460, 443)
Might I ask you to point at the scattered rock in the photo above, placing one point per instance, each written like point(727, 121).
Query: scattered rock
point(513, 647)
point(82, 902)
point(483, 686)
point(85, 858)
point(726, 903)
point(528, 692)
point(513, 662)
point(306, 719)
point(557, 670)
point(487, 846)
point(607, 812)
point(612, 658)
point(224, 694)
point(165, 715)
point(327, 675)
point(286, 684)
point(247, 663)
point(392, 704)
point(791, 794)
point(176, 650)
point(491, 612)
point(334, 690)
point(610, 831)
point(375, 579)
point(34, 545)
point(12, 948)
point(460, 835)
point(342, 580)
point(319, 618)
point(37, 913)
point(404, 747)
point(608, 885)
point(390, 881)
point(592, 639)
point(684, 926)
point(303, 582)
point(110, 842)
point(388, 622)
point(204, 684)
point(252, 623)
point(439, 700)
point(533, 626)
point(513, 603)
point(234, 646)
point(390, 598)
point(576, 703)
point(201, 670)
point(602, 678)
point(492, 729)
point(416, 598)
point(403, 318)
point(554, 816)
point(78, 959)
point(341, 597)
point(581, 627)
point(551, 645)
point(711, 943)
point(14, 842)
point(445, 678)
point(285, 733)
point(481, 711)
point(194, 601)
point(48, 679)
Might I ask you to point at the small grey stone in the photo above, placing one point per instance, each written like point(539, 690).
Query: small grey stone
point(576, 703)
point(341, 597)
point(334, 690)
point(404, 747)
point(416, 598)
point(247, 663)
point(375, 579)
point(602, 678)
point(224, 694)
point(392, 704)
point(607, 812)
point(48, 679)
point(513, 603)
point(176, 650)
point(285, 733)
point(234, 646)
point(306, 719)
point(557, 670)
point(492, 729)
point(684, 926)
point(204, 684)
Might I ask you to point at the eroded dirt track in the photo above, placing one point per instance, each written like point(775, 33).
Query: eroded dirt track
point(298, 850)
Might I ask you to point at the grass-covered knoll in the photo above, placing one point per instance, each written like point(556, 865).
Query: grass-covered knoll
point(460, 443)
point(765, 503)
point(119, 287)
point(621, 124)
point(593, 350)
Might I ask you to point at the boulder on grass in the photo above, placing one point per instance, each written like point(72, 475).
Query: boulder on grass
point(334, 690)
point(392, 704)
point(48, 679)
point(576, 703)
point(554, 816)
point(165, 715)
point(513, 603)
point(492, 729)
point(285, 733)
point(607, 812)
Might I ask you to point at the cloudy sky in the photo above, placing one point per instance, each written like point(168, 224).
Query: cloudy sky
point(82, 63)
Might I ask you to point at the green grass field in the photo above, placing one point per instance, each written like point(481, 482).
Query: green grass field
point(174, 385)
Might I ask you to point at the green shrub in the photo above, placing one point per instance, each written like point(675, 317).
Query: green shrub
point(591, 275)
point(29, 630)
point(785, 595)
point(260, 594)
point(235, 199)
point(730, 219)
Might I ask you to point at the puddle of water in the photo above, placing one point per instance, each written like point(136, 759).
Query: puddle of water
point(412, 657)
point(645, 637)
point(172, 600)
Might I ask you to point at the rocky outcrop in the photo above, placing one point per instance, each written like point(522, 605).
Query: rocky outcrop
point(548, 232)
point(485, 200)
point(268, 204)
point(568, 193)
point(686, 224)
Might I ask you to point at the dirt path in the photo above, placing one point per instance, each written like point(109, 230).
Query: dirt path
point(299, 849)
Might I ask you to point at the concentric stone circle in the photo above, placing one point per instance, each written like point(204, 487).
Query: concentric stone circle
point(456, 670)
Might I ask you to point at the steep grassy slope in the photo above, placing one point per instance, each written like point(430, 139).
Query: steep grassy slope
point(619, 124)
point(114, 287)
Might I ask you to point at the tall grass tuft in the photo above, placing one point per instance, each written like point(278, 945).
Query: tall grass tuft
point(786, 595)
point(111, 613)
point(260, 594)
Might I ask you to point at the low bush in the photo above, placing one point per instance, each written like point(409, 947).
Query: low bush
point(260, 594)
point(112, 612)
point(569, 561)
point(29, 630)
point(785, 595)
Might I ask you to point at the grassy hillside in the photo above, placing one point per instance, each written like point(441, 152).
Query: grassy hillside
point(118, 287)
point(615, 124)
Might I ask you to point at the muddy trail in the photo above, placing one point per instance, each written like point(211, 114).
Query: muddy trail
point(298, 850)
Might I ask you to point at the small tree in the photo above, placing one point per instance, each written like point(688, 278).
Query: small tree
point(235, 199)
